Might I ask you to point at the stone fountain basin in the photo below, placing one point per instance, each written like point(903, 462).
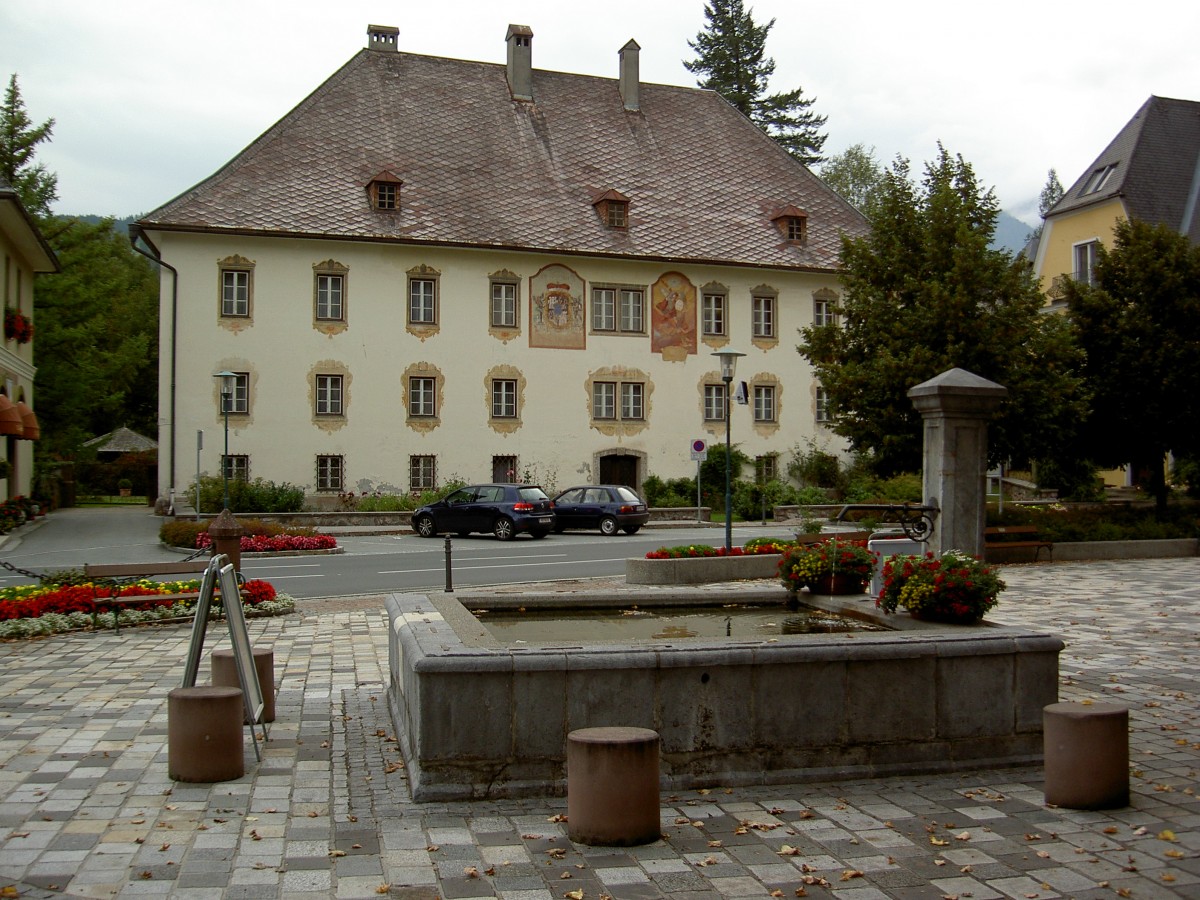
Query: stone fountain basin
point(479, 719)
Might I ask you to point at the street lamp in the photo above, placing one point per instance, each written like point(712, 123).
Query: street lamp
point(728, 360)
point(228, 380)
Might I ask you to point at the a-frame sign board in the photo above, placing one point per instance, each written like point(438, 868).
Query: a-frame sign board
point(221, 571)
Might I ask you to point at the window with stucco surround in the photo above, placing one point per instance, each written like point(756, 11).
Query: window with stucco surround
point(329, 395)
point(766, 467)
point(422, 397)
point(714, 402)
point(504, 398)
point(619, 308)
point(764, 403)
point(714, 307)
point(823, 305)
point(422, 300)
point(504, 302)
point(331, 473)
point(762, 315)
point(239, 400)
point(329, 291)
point(422, 473)
point(236, 287)
point(624, 400)
point(823, 416)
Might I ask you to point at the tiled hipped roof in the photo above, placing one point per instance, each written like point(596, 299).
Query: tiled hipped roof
point(480, 169)
point(1156, 160)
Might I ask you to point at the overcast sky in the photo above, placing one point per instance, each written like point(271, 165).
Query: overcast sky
point(152, 97)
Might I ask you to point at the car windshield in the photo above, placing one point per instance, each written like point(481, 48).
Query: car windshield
point(628, 496)
point(532, 493)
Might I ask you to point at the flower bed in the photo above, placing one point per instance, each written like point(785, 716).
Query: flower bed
point(693, 551)
point(31, 610)
point(275, 543)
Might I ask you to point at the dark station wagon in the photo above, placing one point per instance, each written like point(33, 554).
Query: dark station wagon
point(505, 510)
point(609, 507)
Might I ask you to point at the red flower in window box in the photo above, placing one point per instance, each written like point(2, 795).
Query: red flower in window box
point(17, 326)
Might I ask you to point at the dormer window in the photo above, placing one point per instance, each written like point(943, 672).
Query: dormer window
point(384, 192)
point(792, 224)
point(1098, 179)
point(613, 207)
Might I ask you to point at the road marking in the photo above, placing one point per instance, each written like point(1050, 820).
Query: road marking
point(266, 565)
point(285, 577)
point(514, 565)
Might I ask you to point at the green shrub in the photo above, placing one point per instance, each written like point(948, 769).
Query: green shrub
point(384, 502)
point(1102, 522)
point(256, 496)
point(674, 493)
point(816, 468)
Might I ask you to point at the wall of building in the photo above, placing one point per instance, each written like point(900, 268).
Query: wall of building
point(554, 437)
point(16, 366)
point(1056, 252)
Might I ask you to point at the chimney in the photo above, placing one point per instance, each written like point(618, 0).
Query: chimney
point(629, 75)
point(383, 37)
point(520, 61)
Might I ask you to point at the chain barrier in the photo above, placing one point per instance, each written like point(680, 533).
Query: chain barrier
point(24, 572)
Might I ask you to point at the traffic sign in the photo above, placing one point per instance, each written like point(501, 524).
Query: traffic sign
point(699, 449)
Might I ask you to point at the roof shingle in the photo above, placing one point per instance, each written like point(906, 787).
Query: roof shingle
point(480, 169)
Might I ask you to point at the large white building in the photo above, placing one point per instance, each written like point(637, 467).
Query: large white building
point(434, 268)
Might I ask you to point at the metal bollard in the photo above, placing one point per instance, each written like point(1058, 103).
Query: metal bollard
point(449, 577)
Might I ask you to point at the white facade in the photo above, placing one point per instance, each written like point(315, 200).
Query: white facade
point(282, 348)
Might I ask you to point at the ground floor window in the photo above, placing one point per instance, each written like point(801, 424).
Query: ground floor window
point(504, 469)
point(235, 467)
point(330, 473)
point(422, 473)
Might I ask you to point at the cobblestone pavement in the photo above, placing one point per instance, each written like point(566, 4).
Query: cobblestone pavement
point(87, 808)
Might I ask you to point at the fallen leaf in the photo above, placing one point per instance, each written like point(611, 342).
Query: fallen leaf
point(574, 895)
point(352, 846)
point(801, 892)
point(715, 844)
point(383, 888)
point(776, 893)
point(789, 850)
point(936, 841)
point(1167, 835)
point(164, 848)
point(851, 874)
point(1111, 829)
point(471, 872)
point(708, 861)
point(531, 837)
point(490, 871)
point(337, 853)
point(565, 875)
point(558, 818)
point(682, 820)
point(1174, 854)
point(433, 848)
point(557, 852)
point(939, 862)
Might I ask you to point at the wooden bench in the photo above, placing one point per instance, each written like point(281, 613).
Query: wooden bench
point(140, 570)
point(1005, 537)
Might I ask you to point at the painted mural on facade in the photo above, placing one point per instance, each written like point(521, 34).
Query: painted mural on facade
point(556, 309)
point(673, 316)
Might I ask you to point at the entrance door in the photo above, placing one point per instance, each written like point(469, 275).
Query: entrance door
point(619, 470)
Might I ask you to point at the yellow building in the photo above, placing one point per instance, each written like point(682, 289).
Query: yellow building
point(1149, 172)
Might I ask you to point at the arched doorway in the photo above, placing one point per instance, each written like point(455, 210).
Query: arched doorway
point(621, 467)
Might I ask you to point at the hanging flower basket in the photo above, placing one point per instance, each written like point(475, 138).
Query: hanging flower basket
point(17, 326)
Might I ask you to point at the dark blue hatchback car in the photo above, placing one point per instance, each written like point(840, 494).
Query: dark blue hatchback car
point(609, 507)
point(505, 510)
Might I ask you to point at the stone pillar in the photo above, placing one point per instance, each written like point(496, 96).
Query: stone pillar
point(226, 536)
point(955, 407)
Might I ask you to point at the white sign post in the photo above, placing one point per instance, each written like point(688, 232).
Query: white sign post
point(699, 454)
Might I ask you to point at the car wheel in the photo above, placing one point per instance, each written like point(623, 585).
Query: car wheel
point(608, 526)
point(424, 526)
point(538, 535)
point(503, 529)
point(632, 529)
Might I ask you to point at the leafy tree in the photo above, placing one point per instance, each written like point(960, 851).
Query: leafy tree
point(36, 187)
point(731, 60)
point(96, 337)
point(1139, 325)
point(856, 174)
point(923, 294)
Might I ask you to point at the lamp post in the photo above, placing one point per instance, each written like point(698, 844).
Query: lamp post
point(227, 382)
point(728, 360)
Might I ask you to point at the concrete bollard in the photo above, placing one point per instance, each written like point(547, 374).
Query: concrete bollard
point(204, 734)
point(612, 786)
point(226, 536)
point(225, 674)
point(1087, 755)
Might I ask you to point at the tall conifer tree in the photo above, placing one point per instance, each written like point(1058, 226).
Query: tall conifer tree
point(36, 187)
point(731, 60)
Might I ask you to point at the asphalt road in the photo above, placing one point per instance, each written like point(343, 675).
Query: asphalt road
point(368, 564)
